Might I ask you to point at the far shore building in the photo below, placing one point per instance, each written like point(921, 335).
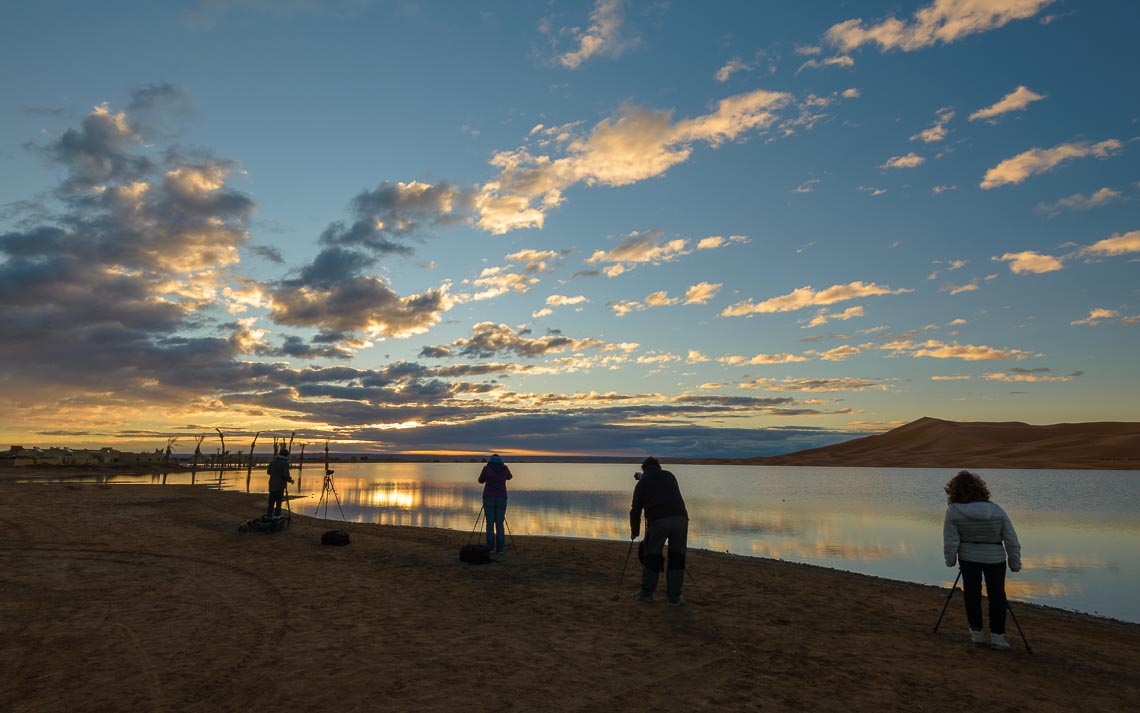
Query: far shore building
point(19, 456)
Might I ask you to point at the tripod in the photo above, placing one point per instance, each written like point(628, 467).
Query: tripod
point(481, 517)
point(1007, 607)
point(326, 488)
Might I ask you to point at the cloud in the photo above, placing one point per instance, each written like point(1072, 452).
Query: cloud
point(1024, 376)
point(807, 186)
point(942, 21)
point(910, 160)
point(716, 241)
point(1030, 262)
point(701, 293)
point(1096, 316)
point(332, 295)
point(489, 339)
point(638, 249)
point(603, 37)
point(939, 190)
point(937, 131)
point(761, 359)
point(1117, 244)
point(386, 216)
point(1080, 202)
point(967, 352)
point(635, 145)
point(837, 61)
point(535, 260)
point(817, 385)
point(624, 307)
point(822, 317)
point(732, 67)
point(1035, 160)
point(660, 299)
point(808, 297)
point(959, 289)
point(560, 300)
point(1017, 100)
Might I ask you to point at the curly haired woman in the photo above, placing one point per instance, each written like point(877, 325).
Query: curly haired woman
point(978, 535)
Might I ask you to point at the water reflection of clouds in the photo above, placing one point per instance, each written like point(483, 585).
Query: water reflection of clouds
point(1057, 562)
point(823, 550)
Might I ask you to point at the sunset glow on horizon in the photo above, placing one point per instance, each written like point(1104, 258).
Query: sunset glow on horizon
point(600, 227)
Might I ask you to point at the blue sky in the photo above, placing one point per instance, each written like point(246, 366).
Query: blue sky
point(604, 227)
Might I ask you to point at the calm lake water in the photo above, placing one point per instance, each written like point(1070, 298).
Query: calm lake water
point(1080, 530)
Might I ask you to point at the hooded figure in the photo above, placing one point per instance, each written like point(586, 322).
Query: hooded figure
point(494, 477)
point(979, 537)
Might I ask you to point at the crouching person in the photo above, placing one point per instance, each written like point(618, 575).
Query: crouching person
point(667, 520)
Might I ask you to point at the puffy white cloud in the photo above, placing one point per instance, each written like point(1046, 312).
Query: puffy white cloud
point(639, 248)
point(732, 67)
point(1035, 160)
point(636, 144)
point(1078, 201)
point(808, 297)
point(822, 317)
point(559, 300)
point(761, 359)
point(1096, 316)
point(1030, 262)
point(1117, 244)
point(660, 299)
point(942, 21)
point(937, 131)
point(836, 61)
point(1016, 100)
point(701, 293)
point(602, 37)
point(967, 352)
point(716, 241)
point(910, 160)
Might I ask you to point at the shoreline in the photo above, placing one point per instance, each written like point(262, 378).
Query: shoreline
point(149, 599)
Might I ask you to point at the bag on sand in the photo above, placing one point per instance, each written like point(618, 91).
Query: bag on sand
point(335, 537)
point(274, 523)
point(475, 554)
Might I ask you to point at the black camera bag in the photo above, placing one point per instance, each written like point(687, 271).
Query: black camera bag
point(335, 537)
point(475, 554)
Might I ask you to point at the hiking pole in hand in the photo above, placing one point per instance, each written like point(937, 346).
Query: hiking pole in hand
point(621, 579)
point(1023, 640)
point(944, 606)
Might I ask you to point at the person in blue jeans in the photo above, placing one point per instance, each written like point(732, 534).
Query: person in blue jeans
point(494, 478)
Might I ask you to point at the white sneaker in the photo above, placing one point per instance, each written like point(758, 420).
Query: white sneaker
point(998, 642)
point(978, 637)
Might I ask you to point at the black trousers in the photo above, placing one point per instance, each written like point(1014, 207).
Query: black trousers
point(274, 505)
point(994, 573)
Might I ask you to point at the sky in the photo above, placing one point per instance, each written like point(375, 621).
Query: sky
point(610, 228)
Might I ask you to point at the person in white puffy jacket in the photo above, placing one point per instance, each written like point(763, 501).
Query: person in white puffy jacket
point(979, 537)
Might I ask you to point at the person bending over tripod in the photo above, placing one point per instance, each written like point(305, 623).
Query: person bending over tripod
point(278, 476)
point(980, 537)
point(494, 477)
point(666, 518)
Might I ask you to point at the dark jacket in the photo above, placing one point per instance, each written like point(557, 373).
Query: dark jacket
point(278, 474)
point(495, 476)
point(659, 495)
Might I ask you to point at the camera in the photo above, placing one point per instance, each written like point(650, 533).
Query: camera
point(637, 475)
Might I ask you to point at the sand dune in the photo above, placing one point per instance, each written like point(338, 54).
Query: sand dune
point(934, 443)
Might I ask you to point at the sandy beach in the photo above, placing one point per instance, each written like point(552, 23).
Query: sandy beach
point(137, 598)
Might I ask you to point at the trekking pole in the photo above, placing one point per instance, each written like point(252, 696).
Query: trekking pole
point(622, 578)
point(952, 587)
point(1023, 640)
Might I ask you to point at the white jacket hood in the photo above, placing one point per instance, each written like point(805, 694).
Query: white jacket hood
point(978, 510)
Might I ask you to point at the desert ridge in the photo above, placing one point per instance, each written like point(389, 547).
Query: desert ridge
point(935, 443)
